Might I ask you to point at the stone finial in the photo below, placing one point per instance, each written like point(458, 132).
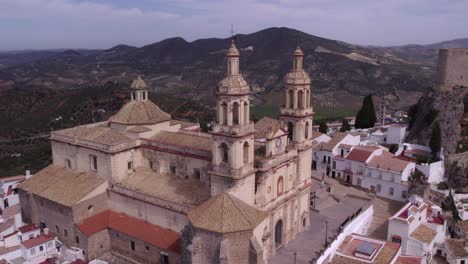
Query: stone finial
point(233, 51)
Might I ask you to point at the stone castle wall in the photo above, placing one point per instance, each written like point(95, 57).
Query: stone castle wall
point(453, 68)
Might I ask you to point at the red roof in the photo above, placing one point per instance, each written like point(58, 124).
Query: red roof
point(39, 240)
point(79, 261)
point(408, 260)
point(139, 229)
point(360, 155)
point(28, 228)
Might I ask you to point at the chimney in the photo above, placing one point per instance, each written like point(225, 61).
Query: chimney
point(46, 231)
point(28, 174)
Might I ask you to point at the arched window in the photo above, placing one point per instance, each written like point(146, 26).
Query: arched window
point(246, 113)
point(291, 99)
point(306, 132)
point(307, 98)
point(224, 111)
point(279, 186)
point(246, 152)
point(224, 152)
point(235, 114)
point(300, 100)
point(290, 130)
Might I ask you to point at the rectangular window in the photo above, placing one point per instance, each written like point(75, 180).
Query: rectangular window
point(196, 174)
point(151, 164)
point(378, 188)
point(404, 194)
point(49, 245)
point(93, 162)
point(130, 165)
point(334, 165)
point(68, 163)
point(32, 251)
point(77, 240)
point(41, 248)
point(359, 181)
point(65, 232)
point(15, 191)
point(173, 169)
point(390, 191)
point(132, 245)
point(164, 258)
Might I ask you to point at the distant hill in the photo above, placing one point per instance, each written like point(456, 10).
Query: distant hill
point(422, 53)
point(179, 67)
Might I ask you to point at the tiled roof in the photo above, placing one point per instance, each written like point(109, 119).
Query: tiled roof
point(424, 234)
point(139, 129)
point(13, 178)
point(140, 113)
point(225, 213)
point(168, 187)
point(39, 240)
point(7, 224)
point(333, 142)
point(457, 247)
point(408, 260)
point(184, 140)
point(183, 124)
point(388, 161)
point(265, 126)
point(360, 155)
point(11, 211)
point(62, 185)
point(133, 227)
point(28, 228)
point(99, 133)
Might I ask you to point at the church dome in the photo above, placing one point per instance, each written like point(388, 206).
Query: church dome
point(140, 113)
point(296, 77)
point(139, 84)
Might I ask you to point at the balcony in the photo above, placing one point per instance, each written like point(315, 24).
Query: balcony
point(233, 130)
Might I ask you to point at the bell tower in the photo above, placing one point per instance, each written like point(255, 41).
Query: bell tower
point(297, 112)
point(233, 134)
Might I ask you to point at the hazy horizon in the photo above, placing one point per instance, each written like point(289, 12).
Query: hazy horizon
point(102, 24)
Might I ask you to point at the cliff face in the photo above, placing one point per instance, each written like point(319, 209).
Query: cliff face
point(445, 107)
point(457, 169)
point(444, 103)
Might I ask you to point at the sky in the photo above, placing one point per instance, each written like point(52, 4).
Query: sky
point(49, 24)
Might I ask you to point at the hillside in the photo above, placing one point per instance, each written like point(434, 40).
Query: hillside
point(175, 66)
point(422, 53)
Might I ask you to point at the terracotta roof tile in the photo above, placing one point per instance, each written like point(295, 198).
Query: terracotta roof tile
point(62, 185)
point(388, 161)
point(133, 227)
point(99, 133)
point(359, 155)
point(457, 247)
point(140, 113)
point(225, 213)
point(168, 187)
point(13, 178)
point(424, 234)
point(185, 140)
point(408, 260)
point(28, 228)
point(265, 126)
point(39, 240)
point(334, 141)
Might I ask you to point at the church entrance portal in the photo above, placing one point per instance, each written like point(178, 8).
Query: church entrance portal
point(278, 233)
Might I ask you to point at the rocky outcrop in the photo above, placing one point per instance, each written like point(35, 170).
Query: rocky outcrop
point(456, 169)
point(443, 106)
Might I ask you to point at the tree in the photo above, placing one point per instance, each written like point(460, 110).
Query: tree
point(345, 126)
point(435, 142)
point(366, 116)
point(323, 128)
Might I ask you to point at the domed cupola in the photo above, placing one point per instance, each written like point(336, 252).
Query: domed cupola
point(233, 83)
point(297, 75)
point(139, 90)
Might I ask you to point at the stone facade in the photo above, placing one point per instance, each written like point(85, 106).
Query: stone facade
point(452, 68)
point(159, 171)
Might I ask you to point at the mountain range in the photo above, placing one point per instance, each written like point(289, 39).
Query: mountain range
point(339, 70)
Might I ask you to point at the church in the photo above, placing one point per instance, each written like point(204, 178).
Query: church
point(145, 188)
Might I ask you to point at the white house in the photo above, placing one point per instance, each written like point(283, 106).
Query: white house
point(419, 228)
point(434, 171)
point(455, 251)
point(9, 190)
point(339, 145)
